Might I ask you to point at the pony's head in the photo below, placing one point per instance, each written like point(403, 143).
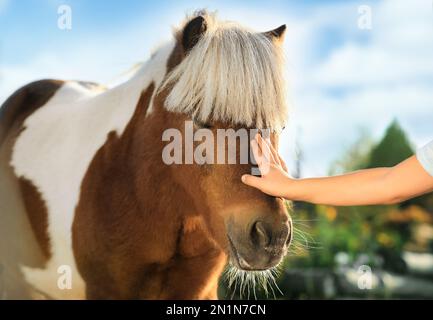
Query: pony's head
point(224, 76)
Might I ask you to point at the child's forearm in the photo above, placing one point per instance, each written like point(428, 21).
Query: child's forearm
point(358, 188)
point(406, 180)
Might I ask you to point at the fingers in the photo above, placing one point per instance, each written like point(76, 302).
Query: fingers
point(274, 157)
point(251, 181)
point(266, 152)
point(283, 164)
point(277, 156)
point(256, 152)
point(260, 160)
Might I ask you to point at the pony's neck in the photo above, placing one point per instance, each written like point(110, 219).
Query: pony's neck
point(189, 261)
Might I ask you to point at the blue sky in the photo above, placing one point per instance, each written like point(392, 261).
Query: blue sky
point(342, 79)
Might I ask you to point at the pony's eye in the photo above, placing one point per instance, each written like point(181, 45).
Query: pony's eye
point(201, 125)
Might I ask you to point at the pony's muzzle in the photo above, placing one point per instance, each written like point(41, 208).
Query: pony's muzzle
point(263, 247)
point(269, 242)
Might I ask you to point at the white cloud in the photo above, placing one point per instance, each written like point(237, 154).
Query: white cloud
point(354, 65)
point(401, 49)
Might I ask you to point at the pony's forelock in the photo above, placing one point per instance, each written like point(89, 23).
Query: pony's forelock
point(232, 75)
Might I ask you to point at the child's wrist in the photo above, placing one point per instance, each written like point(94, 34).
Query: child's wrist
point(292, 189)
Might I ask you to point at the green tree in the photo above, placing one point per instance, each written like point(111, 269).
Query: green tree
point(392, 149)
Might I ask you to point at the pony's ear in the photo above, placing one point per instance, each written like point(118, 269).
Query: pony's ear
point(276, 34)
point(192, 32)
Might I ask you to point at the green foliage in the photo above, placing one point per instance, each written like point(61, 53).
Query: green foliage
point(392, 149)
point(353, 230)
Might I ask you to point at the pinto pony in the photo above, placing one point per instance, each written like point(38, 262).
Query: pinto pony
point(88, 207)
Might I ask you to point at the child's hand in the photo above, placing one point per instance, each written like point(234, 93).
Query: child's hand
point(274, 178)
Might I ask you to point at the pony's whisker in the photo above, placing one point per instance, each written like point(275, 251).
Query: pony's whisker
point(244, 282)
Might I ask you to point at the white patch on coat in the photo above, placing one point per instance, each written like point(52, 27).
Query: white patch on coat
point(55, 150)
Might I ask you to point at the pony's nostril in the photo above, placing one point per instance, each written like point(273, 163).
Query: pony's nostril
point(259, 235)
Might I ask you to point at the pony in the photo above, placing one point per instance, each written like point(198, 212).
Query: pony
point(89, 209)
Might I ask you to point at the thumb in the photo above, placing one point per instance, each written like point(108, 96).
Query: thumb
point(251, 180)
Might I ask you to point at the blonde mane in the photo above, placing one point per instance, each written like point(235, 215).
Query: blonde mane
point(232, 75)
